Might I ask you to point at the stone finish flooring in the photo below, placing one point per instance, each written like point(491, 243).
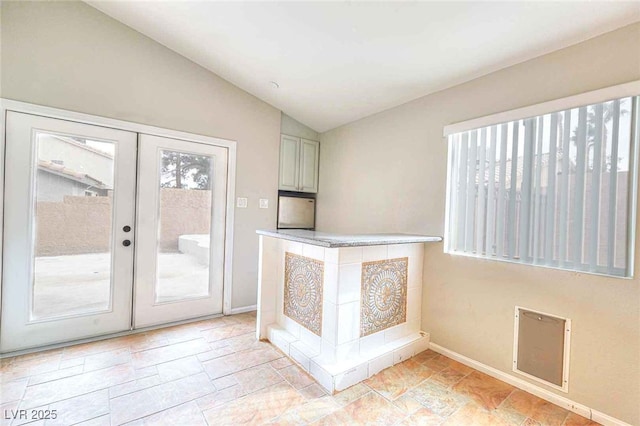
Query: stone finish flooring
point(214, 372)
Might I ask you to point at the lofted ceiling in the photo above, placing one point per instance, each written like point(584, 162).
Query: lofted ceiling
point(336, 62)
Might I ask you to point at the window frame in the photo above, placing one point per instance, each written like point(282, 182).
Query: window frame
point(632, 90)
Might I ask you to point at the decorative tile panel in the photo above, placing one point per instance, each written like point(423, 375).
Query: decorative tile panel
point(383, 302)
point(303, 279)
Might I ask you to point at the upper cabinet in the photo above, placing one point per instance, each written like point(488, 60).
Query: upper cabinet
point(309, 156)
point(289, 163)
point(298, 164)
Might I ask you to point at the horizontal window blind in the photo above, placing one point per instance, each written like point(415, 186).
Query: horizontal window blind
point(555, 190)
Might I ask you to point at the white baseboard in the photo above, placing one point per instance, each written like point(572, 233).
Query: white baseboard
point(536, 390)
point(243, 309)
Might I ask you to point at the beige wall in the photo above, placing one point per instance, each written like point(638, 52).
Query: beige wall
point(387, 173)
point(69, 55)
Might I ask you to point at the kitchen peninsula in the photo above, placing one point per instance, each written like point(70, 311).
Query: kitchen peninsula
point(344, 307)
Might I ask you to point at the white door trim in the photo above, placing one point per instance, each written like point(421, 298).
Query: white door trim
point(62, 114)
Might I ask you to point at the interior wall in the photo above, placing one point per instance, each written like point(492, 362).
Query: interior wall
point(387, 173)
point(69, 55)
point(292, 127)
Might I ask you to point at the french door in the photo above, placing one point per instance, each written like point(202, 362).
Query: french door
point(180, 232)
point(69, 194)
point(85, 207)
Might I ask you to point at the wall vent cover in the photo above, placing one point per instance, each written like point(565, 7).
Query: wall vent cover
point(541, 347)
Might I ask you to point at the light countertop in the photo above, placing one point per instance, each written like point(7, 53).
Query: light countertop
point(329, 240)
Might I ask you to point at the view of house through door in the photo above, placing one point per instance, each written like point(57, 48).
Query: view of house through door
point(72, 237)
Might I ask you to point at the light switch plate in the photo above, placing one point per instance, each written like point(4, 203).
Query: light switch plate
point(264, 203)
point(241, 203)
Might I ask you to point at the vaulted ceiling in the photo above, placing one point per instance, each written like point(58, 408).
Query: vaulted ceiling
point(336, 62)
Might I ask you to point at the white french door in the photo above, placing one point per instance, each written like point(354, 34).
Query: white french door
point(180, 230)
point(69, 196)
point(85, 207)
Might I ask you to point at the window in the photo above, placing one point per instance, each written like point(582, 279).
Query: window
point(556, 190)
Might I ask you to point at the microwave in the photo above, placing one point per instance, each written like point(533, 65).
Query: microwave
point(296, 212)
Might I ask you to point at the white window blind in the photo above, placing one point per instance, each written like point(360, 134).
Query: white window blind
point(556, 190)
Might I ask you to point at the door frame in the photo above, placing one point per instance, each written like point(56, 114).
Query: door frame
point(62, 114)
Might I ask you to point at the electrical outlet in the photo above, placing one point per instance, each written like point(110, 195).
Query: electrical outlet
point(264, 203)
point(241, 203)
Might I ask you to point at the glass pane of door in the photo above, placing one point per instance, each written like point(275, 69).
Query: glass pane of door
point(184, 226)
point(73, 208)
point(68, 227)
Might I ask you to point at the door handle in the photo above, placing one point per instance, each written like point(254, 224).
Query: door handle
point(126, 243)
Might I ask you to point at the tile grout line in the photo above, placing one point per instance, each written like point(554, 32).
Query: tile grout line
point(79, 374)
point(291, 384)
point(254, 392)
point(174, 359)
point(29, 384)
point(349, 403)
point(242, 369)
point(155, 412)
point(159, 384)
point(92, 418)
point(194, 399)
point(168, 343)
point(75, 396)
point(136, 390)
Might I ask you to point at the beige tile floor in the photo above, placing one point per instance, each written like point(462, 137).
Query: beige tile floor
point(214, 372)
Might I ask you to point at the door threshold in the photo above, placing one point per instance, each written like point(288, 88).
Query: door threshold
point(106, 336)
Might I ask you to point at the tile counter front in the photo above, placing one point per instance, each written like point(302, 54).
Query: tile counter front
point(343, 307)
